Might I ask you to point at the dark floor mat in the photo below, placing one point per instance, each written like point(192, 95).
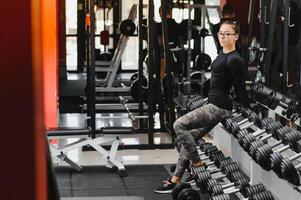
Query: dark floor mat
point(100, 193)
point(101, 181)
point(148, 194)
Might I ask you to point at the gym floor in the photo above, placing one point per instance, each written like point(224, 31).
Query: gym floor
point(151, 165)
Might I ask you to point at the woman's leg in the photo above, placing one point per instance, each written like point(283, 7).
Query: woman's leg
point(203, 120)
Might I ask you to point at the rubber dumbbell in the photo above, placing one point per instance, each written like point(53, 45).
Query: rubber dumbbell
point(216, 157)
point(257, 144)
point(214, 188)
point(195, 102)
point(183, 191)
point(218, 189)
point(289, 170)
point(236, 175)
point(252, 190)
point(262, 154)
point(203, 175)
point(234, 178)
point(246, 123)
point(269, 127)
point(218, 161)
point(292, 138)
point(289, 105)
point(229, 123)
point(265, 195)
point(241, 117)
point(246, 140)
point(276, 161)
point(281, 132)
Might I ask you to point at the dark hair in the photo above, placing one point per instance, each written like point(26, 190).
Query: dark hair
point(235, 25)
point(227, 9)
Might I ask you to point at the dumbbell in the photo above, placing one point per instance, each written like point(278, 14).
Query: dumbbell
point(276, 161)
point(203, 175)
point(292, 138)
point(289, 104)
point(183, 191)
point(281, 132)
point(207, 149)
point(218, 189)
point(265, 195)
point(257, 144)
point(235, 127)
point(214, 188)
point(289, 170)
point(195, 102)
point(234, 177)
point(268, 125)
point(263, 154)
point(237, 113)
point(246, 140)
point(218, 160)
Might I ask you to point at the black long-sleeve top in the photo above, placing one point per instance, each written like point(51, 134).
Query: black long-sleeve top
point(227, 71)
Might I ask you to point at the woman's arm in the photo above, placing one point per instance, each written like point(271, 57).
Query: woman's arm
point(239, 77)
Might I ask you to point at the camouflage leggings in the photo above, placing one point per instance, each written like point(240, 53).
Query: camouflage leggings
point(193, 126)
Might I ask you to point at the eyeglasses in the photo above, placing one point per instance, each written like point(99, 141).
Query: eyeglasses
point(221, 34)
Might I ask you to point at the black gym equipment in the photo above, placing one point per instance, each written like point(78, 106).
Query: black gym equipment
point(203, 175)
point(281, 132)
point(242, 184)
point(272, 99)
point(291, 171)
point(135, 88)
point(202, 62)
point(264, 124)
point(265, 154)
point(276, 162)
point(183, 191)
point(195, 102)
point(204, 32)
point(293, 138)
point(127, 27)
point(246, 140)
point(234, 127)
point(253, 147)
point(214, 188)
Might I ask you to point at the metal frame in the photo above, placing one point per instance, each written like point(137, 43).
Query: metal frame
point(95, 143)
point(115, 62)
point(268, 56)
point(286, 26)
point(204, 11)
point(151, 66)
point(170, 109)
point(91, 68)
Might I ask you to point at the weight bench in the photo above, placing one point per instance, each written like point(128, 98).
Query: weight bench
point(85, 139)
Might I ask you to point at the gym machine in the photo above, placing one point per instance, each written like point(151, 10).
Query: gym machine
point(88, 135)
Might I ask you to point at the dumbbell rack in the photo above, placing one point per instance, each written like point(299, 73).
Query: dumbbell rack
point(229, 145)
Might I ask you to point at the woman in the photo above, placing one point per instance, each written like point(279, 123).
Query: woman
point(227, 70)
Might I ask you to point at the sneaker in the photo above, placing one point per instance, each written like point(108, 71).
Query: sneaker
point(166, 187)
point(190, 180)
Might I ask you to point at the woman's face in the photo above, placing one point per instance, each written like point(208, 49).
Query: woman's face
point(227, 36)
